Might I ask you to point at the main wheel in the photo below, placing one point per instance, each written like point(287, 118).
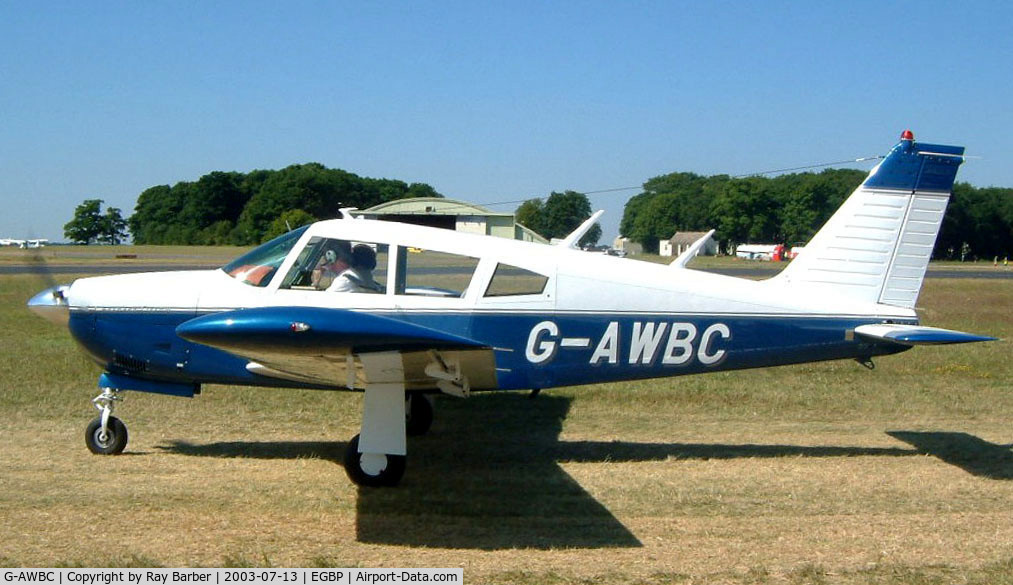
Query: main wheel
point(370, 469)
point(110, 442)
point(418, 415)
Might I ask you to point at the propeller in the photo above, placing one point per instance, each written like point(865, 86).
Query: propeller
point(52, 303)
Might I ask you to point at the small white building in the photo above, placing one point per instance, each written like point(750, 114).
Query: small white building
point(681, 241)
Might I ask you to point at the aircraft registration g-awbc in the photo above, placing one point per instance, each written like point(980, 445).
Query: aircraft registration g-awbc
point(400, 311)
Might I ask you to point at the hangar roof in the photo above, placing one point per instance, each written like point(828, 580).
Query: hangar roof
point(430, 206)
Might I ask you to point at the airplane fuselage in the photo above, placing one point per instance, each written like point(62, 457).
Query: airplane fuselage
point(596, 319)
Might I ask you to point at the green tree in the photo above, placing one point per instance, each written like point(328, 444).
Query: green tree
point(237, 208)
point(156, 214)
point(560, 214)
point(114, 227)
point(632, 212)
point(670, 203)
point(287, 222)
point(87, 224)
point(529, 215)
point(214, 197)
point(90, 225)
point(744, 212)
point(808, 200)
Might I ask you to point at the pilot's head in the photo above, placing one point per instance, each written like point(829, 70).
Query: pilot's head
point(338, 250)
point(363, 257)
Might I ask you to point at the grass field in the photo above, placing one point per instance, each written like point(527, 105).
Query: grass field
point(125, 255)
point(823, 473)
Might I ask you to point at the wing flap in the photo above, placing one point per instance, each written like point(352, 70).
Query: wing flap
point(477, 365)
point(916, 334)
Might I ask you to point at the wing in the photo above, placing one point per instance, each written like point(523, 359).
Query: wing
point(916, 334)
point(320, 346)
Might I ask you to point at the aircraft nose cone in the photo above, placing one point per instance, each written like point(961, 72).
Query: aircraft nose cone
point(51, 304)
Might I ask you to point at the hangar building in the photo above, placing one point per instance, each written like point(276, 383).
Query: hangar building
point(453, 215)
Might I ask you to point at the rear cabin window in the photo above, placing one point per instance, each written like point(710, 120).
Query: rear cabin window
point(434, 274)
point(510, 281)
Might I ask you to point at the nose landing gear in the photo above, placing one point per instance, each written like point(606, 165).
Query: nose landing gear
point(106, 434)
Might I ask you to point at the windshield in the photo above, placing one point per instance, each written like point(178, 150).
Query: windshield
point(257, 267)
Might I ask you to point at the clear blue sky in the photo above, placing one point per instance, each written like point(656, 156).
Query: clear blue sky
point(485, 101)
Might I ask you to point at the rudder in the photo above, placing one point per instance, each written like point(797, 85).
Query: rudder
point(877, 246)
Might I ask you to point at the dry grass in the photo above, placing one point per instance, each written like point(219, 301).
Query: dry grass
point(823, 473)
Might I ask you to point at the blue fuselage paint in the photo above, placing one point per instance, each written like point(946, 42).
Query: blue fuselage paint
point(531, 350)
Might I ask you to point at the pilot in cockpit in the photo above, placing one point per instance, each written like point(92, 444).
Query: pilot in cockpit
point(337, 258)
point(358, 277)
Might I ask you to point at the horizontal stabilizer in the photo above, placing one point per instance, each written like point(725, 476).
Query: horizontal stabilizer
point(917, 334)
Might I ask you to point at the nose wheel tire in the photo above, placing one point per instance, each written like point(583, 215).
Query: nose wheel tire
point(373, 469)
point(111, 441)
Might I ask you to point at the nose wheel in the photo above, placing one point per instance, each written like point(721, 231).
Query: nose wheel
point(108, 441)
point(106, 435)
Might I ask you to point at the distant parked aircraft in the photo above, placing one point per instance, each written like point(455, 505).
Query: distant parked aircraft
point(37, 243)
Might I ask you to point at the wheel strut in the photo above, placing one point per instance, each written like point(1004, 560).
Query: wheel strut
point(106, 435)
point(106, 404)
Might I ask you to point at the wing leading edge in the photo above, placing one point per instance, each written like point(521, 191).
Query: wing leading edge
point(317, 345)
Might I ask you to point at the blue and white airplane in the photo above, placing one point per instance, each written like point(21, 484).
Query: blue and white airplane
point(402, 311)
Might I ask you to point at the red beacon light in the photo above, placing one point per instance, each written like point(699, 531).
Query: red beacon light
point(907, 135)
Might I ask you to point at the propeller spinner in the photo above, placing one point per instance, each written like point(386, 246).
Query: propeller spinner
point(51, 304)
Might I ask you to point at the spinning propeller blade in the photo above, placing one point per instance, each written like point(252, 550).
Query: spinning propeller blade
point(51, 303)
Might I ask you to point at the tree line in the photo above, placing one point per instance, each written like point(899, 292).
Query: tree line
point(558, 215)
point(790, 208)
point(250, 208)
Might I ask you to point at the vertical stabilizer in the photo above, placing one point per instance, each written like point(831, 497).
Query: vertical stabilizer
point(877, 246)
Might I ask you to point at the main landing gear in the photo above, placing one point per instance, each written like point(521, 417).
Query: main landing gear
point(106, 435)
point(377, 455)
point(373, 469)
point(381, 469)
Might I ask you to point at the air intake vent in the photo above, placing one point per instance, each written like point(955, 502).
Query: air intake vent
point(131, 364)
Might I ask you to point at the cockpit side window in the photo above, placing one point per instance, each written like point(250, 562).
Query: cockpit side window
point(430, 273)
point(331, 264)
point(258, 266)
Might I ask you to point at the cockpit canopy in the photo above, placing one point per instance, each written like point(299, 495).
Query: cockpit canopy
point(329, 263)
point(258, 266)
